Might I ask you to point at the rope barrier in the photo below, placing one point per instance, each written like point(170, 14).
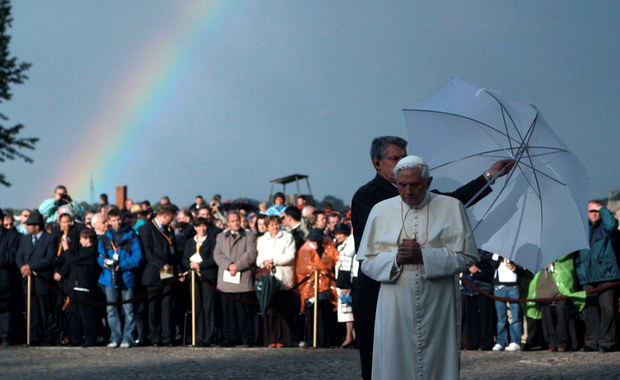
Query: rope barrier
point(60, 292)
point(201, 278)
point(544, 299)
point(70, 300)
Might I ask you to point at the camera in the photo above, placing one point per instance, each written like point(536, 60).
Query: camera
point(64, 199)
point(112, 264)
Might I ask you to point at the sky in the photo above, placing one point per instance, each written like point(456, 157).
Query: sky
point(191, 97)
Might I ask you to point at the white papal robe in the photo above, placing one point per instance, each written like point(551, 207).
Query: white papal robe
point(417, 328)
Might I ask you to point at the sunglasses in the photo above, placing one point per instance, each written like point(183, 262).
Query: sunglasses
point(593, 211)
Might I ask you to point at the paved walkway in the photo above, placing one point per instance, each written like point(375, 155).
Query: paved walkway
point(18, 362)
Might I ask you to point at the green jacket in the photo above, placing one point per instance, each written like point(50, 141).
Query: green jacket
point(565, 280)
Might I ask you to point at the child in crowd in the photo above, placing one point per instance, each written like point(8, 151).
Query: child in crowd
point(80, 272)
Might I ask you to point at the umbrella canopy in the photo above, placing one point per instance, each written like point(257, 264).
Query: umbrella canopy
point(266, 288)
point(537, 212)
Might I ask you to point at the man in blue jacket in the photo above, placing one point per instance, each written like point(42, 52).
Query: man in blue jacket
point(597, 267)
point(119, 257)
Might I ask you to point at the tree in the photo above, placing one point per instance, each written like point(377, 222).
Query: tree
point(337, 203)
point(12, 72)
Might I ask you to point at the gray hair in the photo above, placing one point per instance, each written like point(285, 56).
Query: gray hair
point(66, 209)
point(379, 145)
point(97, 218)
point(411, 162)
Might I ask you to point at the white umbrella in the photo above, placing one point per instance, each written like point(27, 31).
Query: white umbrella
point(537, 212)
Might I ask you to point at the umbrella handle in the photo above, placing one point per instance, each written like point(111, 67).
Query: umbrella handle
point(499, 173)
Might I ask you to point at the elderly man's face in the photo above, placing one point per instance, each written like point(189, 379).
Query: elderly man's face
point(385, 165)
point(234, 222)
point(100, 224)
point(412, 186)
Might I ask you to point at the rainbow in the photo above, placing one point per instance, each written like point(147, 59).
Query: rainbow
point(108, 141)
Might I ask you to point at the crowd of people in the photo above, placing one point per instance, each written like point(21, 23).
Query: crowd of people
point(287, 275)
point(120, 276)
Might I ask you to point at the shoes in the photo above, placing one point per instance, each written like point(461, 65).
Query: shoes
point(348, 345)
point(562, 349)
point(605, 349)
point(498, 347)
point(552, 349)
point(513, 347)
point(587, 349)
point(112, 345)
point(125, 345)
point(4, 342)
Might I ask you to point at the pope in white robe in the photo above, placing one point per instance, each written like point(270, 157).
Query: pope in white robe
point(415, 244)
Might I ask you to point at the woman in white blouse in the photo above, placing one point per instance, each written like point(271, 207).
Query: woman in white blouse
point(276, 253)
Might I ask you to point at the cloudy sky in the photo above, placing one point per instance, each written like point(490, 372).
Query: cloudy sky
point(203, 97)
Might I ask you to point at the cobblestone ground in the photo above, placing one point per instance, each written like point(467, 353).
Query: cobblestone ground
point(260, 363)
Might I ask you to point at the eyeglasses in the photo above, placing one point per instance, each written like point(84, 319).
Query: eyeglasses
point(593, 211)
point(393, 158)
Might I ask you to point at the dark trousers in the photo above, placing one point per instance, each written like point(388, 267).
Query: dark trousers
point(206, 314)
point(479, 321)
point(238, 318)
point(599, 317)
point(82, 320)
point(160, 315)
point(42, 319)
point(5, 323)
point(279, 319)
point(364, 314)
point(555, 321)
point(326, 321)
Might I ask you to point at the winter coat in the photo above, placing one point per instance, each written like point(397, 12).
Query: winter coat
point(129, 252)
point(599, 263)
point(208, 266)
point(564, 277)
point(307, 262)
point(9, 244)
point(158, 251)
point(280, 249)
point(40, 258)
point(80, 269)
point(239, 250)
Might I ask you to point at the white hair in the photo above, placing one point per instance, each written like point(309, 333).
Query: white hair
point(411, 162)
point(306, 211)
point(97, 218)
point(66, 209)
